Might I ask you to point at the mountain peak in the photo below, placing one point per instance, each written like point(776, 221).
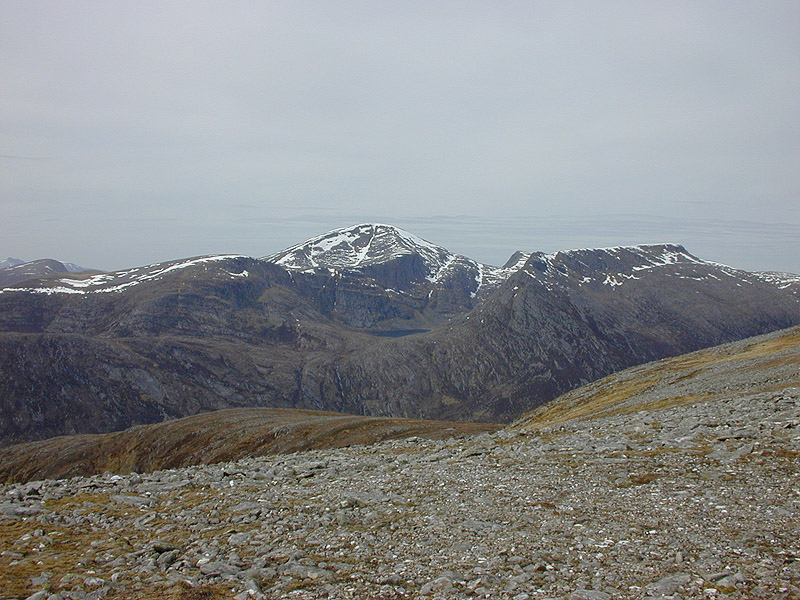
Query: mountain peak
point(358, 246)
point(10, 262)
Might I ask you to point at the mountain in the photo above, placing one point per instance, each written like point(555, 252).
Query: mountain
point(561, 321)
point(380, 276)
point(73, 268)
point(370, 320)
point(766, 365)
point(737, 373)
point(14, 271)
point(10, 262)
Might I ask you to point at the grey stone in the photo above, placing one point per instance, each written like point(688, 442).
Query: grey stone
point(237, 539)
point(137, 501)
point(589, 595)
point(19, 510)
point(301, 571)
point(670, 584)
point(41, 580)
point(162, 546)
point(167, 558)
point(219, 569)
point(440, 585)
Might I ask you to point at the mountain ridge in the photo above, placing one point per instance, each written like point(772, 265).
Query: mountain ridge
point(95, 352)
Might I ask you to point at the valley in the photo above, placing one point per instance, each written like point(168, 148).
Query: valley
point(674, 479)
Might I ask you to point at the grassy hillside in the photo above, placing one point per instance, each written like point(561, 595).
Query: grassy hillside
point(212, 437)
point(767, 363)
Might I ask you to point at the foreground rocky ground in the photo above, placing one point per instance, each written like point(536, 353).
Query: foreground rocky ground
point(690, 496)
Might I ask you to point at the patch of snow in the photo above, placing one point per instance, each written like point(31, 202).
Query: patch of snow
point(443, 269)
point(782, 280)
point(114, 282)
point(611, 280)
point(479, 280)
point(73, 268)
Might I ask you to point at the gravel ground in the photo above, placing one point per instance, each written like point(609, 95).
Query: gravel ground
point(699, 500)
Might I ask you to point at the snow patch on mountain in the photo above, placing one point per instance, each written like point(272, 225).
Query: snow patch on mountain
point(494, 276)
point(615, 266)
point(52, 265)
point(73, 268)
point(118, 281)
point(360, 246)
point(782, 280)
point(367, 244)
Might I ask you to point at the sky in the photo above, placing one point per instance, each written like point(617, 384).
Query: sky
point(137, 132)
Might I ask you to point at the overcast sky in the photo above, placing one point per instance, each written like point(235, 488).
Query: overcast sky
point(135, 132)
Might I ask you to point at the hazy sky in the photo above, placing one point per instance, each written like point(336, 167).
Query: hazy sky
point(134, 132)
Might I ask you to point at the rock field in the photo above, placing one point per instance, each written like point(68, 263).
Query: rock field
point(699, 499)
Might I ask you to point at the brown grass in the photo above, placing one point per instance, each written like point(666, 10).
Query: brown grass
point(773, 346)
point(178, 591)
point(601, 401)
point(644, 478)
point(617, 393)
point(660, 404)
point(219, 436)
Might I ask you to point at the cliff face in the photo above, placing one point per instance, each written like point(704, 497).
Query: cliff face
point(411, 332)
point(536, 338)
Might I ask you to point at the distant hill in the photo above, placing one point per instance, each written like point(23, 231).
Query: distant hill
point(14, 271)
point(764, 365)
point(209, 438)
point(10, 262)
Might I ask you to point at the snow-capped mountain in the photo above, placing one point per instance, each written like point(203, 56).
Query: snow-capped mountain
point(616, 265)
point(369, 248)
point(360, 246)
point(368, 320)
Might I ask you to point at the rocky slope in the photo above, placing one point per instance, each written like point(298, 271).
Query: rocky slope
point(370, 320)
point(211, 437)
point(676, 479)
point(784, 281)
